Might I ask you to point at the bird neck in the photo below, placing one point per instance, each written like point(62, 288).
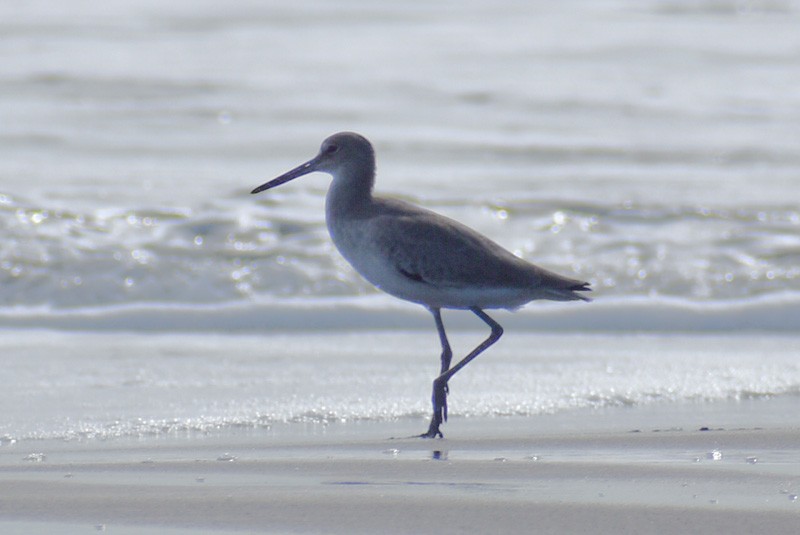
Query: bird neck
point(350, 193)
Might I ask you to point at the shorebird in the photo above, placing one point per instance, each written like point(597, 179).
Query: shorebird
point(421, 256)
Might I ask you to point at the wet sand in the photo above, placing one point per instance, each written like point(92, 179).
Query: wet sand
point(671, 468)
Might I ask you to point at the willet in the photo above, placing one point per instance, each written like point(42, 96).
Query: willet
point(420, 256)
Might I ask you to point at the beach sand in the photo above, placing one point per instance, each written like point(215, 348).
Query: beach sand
point(731, 467)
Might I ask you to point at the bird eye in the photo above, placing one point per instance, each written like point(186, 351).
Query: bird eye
point(330, 149)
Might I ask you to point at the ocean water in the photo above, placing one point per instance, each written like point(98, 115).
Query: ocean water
point(649, 147)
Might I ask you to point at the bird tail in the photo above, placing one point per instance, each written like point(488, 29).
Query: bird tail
point(567, 292)
point(580, 287)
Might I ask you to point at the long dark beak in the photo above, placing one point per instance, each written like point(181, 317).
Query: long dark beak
point(309, 167)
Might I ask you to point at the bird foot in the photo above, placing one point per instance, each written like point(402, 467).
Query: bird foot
point(439, 399)
point(433, 430)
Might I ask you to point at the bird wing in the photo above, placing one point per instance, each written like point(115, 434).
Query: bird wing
point(433, 249)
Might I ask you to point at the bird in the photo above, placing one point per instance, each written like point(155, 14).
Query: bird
point(420, 256)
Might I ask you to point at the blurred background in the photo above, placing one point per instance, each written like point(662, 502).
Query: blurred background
point(650, 147)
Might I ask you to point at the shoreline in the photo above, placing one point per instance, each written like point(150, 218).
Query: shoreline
point(775, 314)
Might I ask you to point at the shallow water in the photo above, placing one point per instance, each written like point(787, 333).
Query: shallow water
point(78, 386)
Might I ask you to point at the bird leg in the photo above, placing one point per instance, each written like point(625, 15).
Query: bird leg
point(439, 400)
point(440, 388)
